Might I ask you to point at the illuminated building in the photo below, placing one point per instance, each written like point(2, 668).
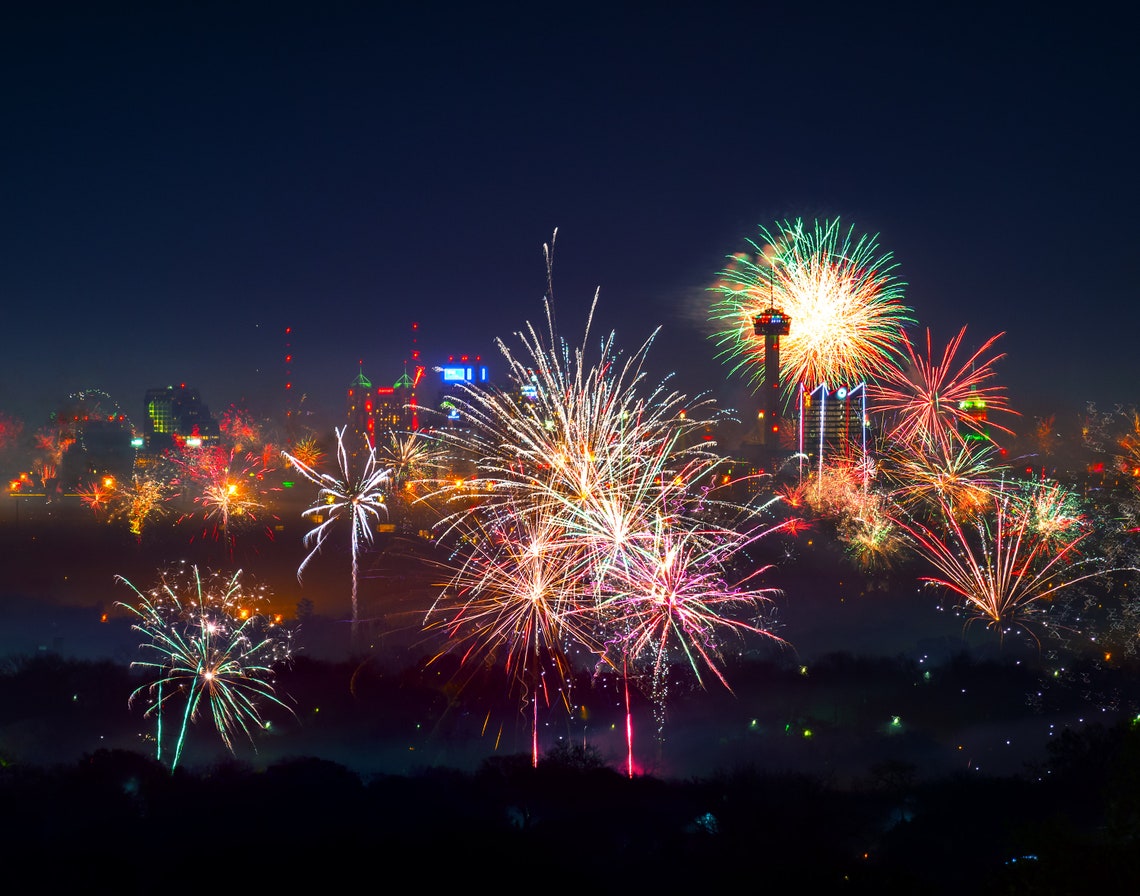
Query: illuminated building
point(363, 403)
point(975, 409)
point(833, 421)
point(460, 370)
point(176, 417)
point(375, 411)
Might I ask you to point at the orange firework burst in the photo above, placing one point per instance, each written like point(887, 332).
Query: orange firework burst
point(141, 500)
point(98, 495)
point(925, 478)
point(308, 452)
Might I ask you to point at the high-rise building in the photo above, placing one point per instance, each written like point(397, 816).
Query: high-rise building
point(833, 422)
point(458, 371)
point(375, 411)
point(176, 416)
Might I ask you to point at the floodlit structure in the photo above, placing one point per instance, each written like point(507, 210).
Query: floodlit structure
point(833, 422)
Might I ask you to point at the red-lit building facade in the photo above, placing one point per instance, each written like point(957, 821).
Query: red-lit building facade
point(376, 411)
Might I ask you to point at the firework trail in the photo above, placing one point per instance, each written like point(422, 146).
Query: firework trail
point(356, 496)
point(938, 404)
point(840, 293)
point(1000, 564)
point(209, 648)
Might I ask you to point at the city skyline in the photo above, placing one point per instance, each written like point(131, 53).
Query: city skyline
point(181, 186)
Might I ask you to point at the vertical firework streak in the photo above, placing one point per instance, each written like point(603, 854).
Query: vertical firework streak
point(208, 647)
point(355, 496)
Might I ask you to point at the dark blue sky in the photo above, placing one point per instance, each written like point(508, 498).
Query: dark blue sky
point(180, 184)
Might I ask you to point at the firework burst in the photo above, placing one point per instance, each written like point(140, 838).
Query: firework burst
point(308, 451)
point(959, 477)
point(353, 495)
point(210, 649)
point(413, 458)
point(140, 502)
point(1004, 571)
point(514, 599)
point(870, 534)
point(98, 495)
point(1055, 512)
point(840, 293)
point(226, 484)
point(937, 403)
point(622, 489)
point(671, 598)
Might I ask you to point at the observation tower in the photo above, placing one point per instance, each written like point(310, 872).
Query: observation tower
point(771, 324)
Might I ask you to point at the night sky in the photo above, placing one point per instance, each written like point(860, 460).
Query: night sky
point(181, 183)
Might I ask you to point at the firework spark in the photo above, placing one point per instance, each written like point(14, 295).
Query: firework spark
point(841, 295)
point(209, 647)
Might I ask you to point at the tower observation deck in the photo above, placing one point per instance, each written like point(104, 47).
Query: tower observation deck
point(771, 324)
